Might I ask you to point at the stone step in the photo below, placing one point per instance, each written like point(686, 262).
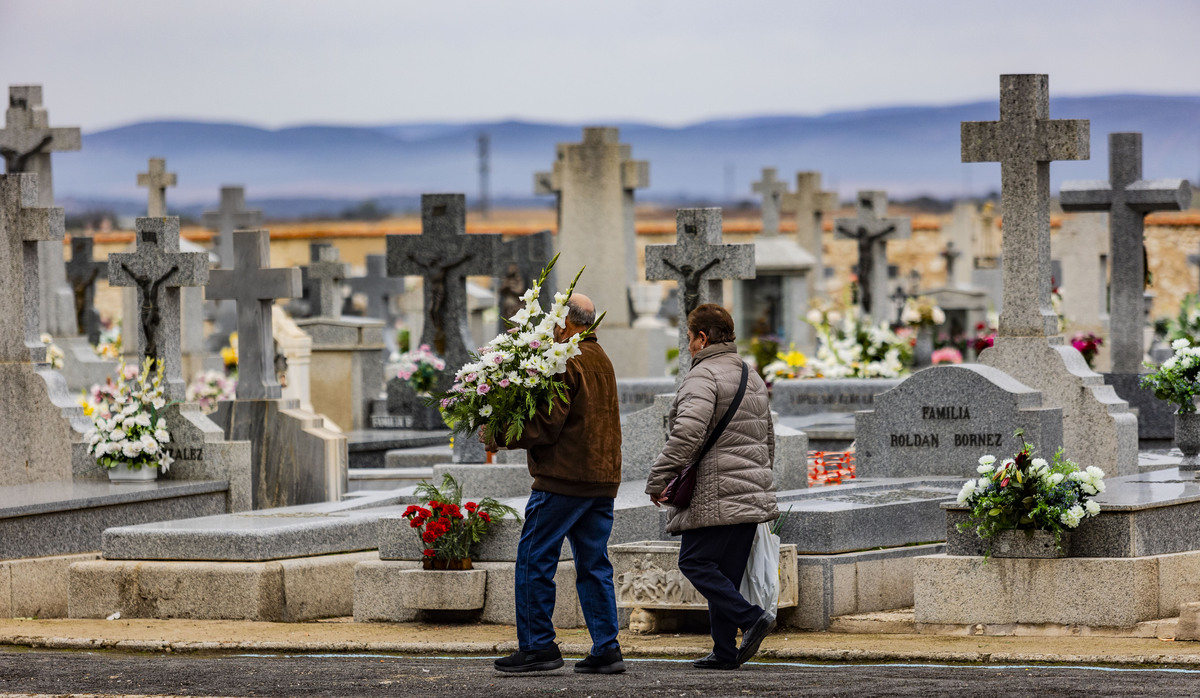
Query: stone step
point(417, 457)
point(372, 479)
point(368, 448)
point(64, 517)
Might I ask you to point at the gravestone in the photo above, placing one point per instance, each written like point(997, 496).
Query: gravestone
point(381, 292)
point(1098, 428)
point(346, 375)
point(82, 273)
point(698, 262)
point(940, 420)
point(40, 418)
point(871, 229)
point(965, 306)
point(444, 255)
point(1082, 245)
point(324, 275)
point(156, 179)
point(1128, 199)
point(231, 215)
point(296, 459)
point(26, 142)
point(521, 261)
point(810, 205)
point(159, 270)
point(775, 301)
point(594, 182)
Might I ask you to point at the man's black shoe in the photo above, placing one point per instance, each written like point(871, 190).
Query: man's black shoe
point(611, 662)
point(710, 662)
point(537, 660)
point(752, 638)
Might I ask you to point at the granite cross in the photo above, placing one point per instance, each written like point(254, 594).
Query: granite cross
point(230, 216)
point(1024, 141)
point(521, 261)
point(82, 273)
point(22, 225)
point(773, 191)
point(951, 255)
point(1128, 198)
point(698, 261)
point(157, 179)
point(26, 142)
point(324, 275)
point(254, 286)
point(158, 269)
point(444, 255)
point(378, 287)
point(810, 205)
point(871, 229)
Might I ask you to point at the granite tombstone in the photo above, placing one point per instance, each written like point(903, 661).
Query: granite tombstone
point(230, 215)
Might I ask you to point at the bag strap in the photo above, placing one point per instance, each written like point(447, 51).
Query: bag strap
point(720, 428)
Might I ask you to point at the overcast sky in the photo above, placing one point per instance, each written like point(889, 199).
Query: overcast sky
point(276, 63)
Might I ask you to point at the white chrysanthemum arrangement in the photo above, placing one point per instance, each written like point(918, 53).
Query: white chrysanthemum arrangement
point(128, 426)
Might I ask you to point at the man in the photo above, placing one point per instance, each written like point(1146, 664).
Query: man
point(574, 453)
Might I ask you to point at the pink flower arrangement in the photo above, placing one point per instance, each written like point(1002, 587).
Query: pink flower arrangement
point(947, 355)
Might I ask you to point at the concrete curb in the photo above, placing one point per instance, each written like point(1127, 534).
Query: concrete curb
point(579, 649)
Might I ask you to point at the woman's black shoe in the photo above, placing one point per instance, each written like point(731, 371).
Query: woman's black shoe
point(537, 660)
point(611, 662)
point(710, 662)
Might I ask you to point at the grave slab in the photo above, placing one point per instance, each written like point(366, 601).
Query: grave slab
point(346, 370)
point(810, 396)
point(940, 420)
point(37, 587)
point(369, 448)
point(635, 394)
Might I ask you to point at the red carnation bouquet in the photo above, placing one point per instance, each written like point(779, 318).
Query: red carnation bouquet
point(447, 528)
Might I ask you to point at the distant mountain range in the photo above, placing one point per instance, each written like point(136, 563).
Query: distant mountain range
point(309, 170)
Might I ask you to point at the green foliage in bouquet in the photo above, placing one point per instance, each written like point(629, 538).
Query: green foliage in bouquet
point(1177, 380)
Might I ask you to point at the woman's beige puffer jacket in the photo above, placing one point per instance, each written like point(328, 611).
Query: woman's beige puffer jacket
point(734, 483)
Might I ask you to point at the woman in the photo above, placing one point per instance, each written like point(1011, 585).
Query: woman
point(734, 490)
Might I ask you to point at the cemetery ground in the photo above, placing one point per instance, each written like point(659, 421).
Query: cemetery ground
point(339, 658)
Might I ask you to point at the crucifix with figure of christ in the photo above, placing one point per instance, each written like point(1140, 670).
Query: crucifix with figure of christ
point(871, 229)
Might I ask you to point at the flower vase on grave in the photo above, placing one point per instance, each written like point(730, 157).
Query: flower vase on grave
point(1187, 439)
point(123, 473)
point(923, 351)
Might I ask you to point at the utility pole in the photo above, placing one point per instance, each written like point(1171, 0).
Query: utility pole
point(485, 155)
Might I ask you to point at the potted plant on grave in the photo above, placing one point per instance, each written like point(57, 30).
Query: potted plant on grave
point(1177, 381)
point(1026, 506)
point(447, 528)
point(129, 435)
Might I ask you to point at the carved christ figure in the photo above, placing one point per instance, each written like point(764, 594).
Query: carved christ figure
point(440, 271)
point(16, 161)
point(691, 278)
point(866, 262)
point(150, 315)
point(80, 286)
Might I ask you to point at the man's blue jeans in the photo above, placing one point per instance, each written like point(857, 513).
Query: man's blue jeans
point(586, 522)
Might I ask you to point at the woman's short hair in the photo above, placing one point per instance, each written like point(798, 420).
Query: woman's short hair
point(714, 321)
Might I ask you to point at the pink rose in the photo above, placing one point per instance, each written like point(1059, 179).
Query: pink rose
point(483, 389)
point(534, 344)
point(470, 378)
point(497, 359)
point(504, 382)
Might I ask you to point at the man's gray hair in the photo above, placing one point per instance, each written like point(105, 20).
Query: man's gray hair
point(578, 316)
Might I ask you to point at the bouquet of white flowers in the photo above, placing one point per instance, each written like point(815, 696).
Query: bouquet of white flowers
point(210, 387)
point(504, 384)
point(128, 427)
point(852, 347)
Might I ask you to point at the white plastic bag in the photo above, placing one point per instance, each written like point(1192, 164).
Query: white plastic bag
point(760, 584)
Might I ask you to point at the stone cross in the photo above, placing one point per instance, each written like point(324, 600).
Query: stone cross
point(324, 275)
point(157, 179)
point(1024, 141)
point(810, 205)
point(26, 142)
point(951, 255)
point(445, 256)
point(595, 182)
point(254, 286)
point(773, 191)
point(230, 216)
point(378, 287)
point(871, 229)
point(698, 262)
point(82, 273)
point(23, 223)
point(1128, 198)
point(158, 269)
point(521, 260)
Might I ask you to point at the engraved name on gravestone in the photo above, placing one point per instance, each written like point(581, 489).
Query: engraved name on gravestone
point(871, 229)
point(521, 260)
point(324, 275)
point(1098, 427)
point(1128, 198)
point(940, 420)
point(158, 269)
point(698, 262)
point(82, 273)
point(157, 179)
point(444, 255)
point(253, 285)
point(26, 142)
